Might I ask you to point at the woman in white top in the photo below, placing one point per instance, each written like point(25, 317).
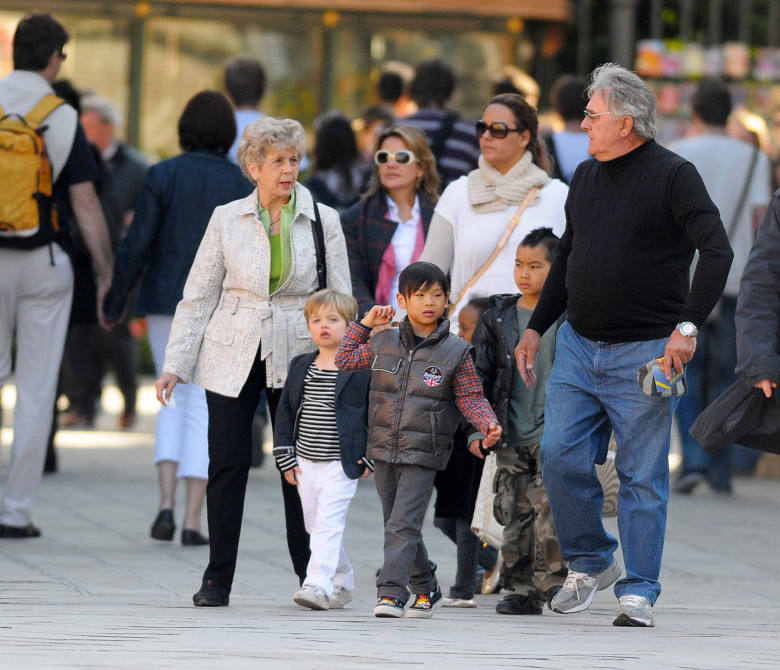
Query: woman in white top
point(475, 210)
point(386, 230)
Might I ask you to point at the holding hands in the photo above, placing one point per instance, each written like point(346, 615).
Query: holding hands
point(378, 315)
point(479, 447)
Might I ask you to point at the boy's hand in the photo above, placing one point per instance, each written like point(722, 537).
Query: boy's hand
point(290, 475)
point(525, 356)
point(475, 447)
point(494, 432)
point(366, 472)
point(378, 315)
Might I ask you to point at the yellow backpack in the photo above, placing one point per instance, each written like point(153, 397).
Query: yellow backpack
point(28, 215)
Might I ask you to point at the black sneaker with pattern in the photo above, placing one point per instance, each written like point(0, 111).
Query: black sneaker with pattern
point(387, 608)
point(424, 605)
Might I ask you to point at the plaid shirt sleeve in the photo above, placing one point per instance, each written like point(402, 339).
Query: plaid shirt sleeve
point(355, 349)
point(470, 398)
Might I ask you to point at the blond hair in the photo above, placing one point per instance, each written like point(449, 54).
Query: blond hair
point(345, 305)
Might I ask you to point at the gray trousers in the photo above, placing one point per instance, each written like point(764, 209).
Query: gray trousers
point(35, 298)
point(404, 491)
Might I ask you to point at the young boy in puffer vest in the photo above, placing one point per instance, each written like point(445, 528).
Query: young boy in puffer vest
point(423, 379)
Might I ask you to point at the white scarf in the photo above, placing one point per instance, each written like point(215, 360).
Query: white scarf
point(491, 191)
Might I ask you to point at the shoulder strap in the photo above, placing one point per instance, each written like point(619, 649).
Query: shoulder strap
point(319, 247)
point(501, 244)
point(44, 107)
point(743, 195)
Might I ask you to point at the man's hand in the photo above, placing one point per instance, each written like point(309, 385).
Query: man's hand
point(679, 351)
point(378, 315)
point(766, 386)
point(290, 475)
point(367, 472)
point(525, 356)
point(494, 432)
point(475, 447)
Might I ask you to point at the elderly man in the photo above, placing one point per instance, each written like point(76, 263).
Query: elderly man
point(634, 218)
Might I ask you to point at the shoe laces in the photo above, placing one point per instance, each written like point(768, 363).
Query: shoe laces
point(576, 580)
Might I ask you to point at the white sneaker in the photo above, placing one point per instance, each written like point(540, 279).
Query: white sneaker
point(449, 601)
point(312, 597)
point(340, 597)
point(634, 611)
point(580, 587)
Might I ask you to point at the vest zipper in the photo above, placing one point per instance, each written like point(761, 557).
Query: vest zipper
point(399, 411)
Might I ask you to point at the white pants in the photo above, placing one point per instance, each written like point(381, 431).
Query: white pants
point(326, 493)
point(182, 431)
point(35, 298)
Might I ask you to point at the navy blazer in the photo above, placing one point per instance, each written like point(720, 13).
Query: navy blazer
point(368, 232)
point(351, 412)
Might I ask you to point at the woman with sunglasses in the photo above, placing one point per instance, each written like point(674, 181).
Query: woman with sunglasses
point(386, 230)
point(474, 211)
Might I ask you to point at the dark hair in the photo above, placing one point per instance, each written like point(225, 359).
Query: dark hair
point(712, 102)
point(65, 90)
point(36, 38)
point(568, 96)
point(335, 146)
point(421, 275)
point(542, 237)
point(480, 303)
point(433, 83)
point(526, 119)
point(207, 122)
point(505, 85)
point(390, 87)
point(245, 80)
point(375, 113)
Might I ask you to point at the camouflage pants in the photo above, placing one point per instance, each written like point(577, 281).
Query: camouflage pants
point(532, 558)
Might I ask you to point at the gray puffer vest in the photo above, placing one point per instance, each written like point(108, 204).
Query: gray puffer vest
point(411, 403)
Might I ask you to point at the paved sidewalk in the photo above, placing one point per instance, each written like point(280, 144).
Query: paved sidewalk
point(95, 591)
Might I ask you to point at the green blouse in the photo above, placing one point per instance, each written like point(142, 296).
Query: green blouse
point(281, 249)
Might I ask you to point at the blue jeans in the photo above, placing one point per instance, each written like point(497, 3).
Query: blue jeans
point(593, 390)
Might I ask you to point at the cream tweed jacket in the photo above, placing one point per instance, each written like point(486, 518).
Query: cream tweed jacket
point(226, 312)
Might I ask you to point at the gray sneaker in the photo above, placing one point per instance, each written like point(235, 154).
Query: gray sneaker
point(580, 587)
point(634, 611)
point(340, 597)
point(312, 597)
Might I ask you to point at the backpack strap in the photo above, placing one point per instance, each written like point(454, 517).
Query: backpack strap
point(45, 106)
point(319, 246)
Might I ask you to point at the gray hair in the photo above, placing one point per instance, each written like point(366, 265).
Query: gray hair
point(626, 95)
point(269, 134)
point(106, 110)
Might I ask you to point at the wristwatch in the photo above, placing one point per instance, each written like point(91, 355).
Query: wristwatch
point(687, 329)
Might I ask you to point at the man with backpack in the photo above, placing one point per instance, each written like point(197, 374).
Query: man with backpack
point(47, 169)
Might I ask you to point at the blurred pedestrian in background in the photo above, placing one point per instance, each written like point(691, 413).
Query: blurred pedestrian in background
point(178, 198)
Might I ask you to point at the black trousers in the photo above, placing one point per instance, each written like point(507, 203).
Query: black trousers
point(230, 456)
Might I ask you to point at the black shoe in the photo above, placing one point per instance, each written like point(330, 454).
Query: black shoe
point(514, 603)
point(551, 593)
point(16, 532)
point(211, 594)
point(192, 538)
point(163, 526)
point(688, 481)
point(425, 605)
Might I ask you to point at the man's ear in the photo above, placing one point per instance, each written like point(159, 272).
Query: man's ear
point(401, 300)
point(626, 125)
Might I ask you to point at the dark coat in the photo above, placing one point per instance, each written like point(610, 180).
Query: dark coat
point(351, 412)
point(176, 203)
point(757, 317)
point(368, 233)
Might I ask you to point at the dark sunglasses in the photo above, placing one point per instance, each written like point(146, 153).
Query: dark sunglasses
point(497, 129)
point(403, 157)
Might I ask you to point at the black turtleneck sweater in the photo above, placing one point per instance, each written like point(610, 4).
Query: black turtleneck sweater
point(632, 226)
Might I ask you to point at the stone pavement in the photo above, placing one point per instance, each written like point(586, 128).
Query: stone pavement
point(95, 591)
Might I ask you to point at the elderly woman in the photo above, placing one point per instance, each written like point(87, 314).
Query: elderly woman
point(173, 211)
point(475, 211)
point(241, 320)
point(386, 230)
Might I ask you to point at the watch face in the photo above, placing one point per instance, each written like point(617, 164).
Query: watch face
point(687, 329)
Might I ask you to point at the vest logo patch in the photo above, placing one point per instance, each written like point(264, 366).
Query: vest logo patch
point(432, 376)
